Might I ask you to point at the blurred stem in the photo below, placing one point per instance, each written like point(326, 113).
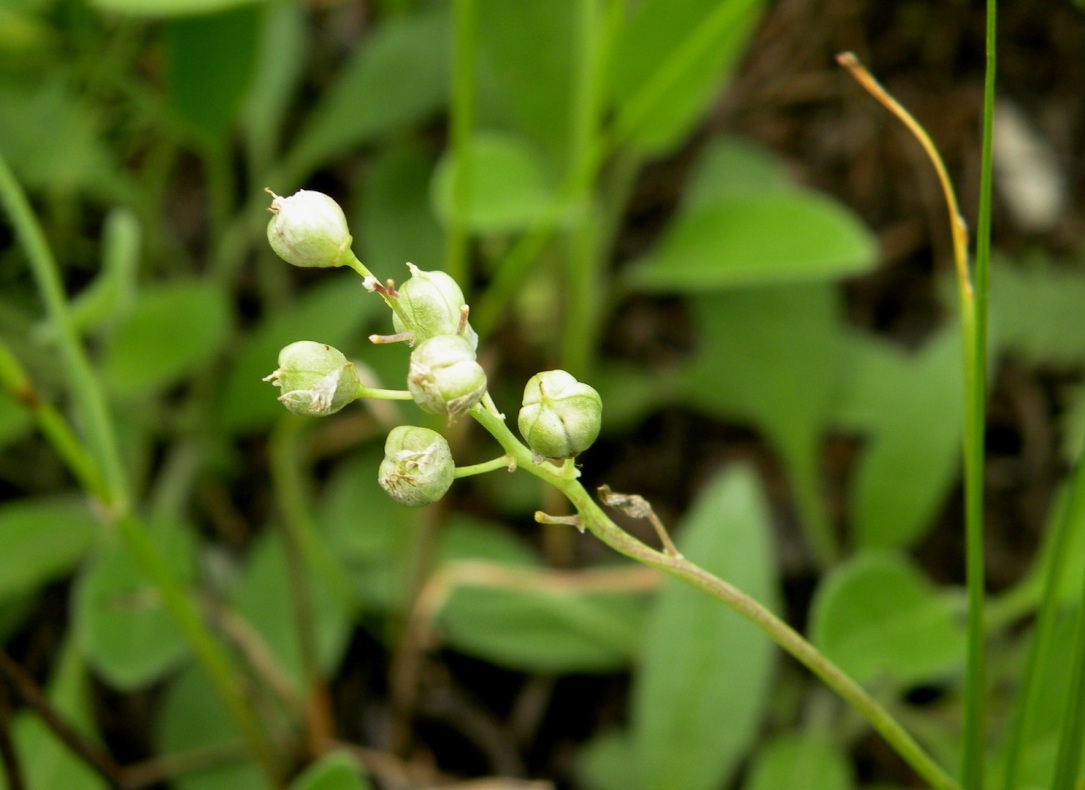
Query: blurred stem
point(583, 277)
point(90, 403)
point(1073, 726)
point(591, 517)
point(15, 380)
point(1043, 636)
point(300, 533)
point(462, 122)
point(95, 419)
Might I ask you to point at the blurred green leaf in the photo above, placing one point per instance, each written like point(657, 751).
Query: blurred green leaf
point(191, 719)
point(807, 761)
point(335, 771)
point(397, 76)
point(48, 764)
point(877, 617)
point(262, 598)
point(772, 356)
point(50, 137)
point(521, 618)
point(170, 8)
point(43, 538)
point(174, 329)
point(775, 237)
point(733, 167)
point(670, 61)
point(330, 312)
point(397, 223)
point(1036, 311)
point(609, 762)
point(524, 75)
point(122, 625)
point(506, 191)
point(910, 407)
point(703, 683)
point(211, 59)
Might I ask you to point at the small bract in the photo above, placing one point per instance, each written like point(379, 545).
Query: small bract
point(444, 377)
point(561, 416)
point(315, 379)
point(433, 303)
point(308, 229)
point(417, 468)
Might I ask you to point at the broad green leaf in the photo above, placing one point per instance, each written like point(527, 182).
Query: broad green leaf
point(68, 158)
point(330, 312)
point(808, 761)
point(769, 238)
point(169, 8)
point(174, 329)
point(703, 683)
point(191, 718)
point(42, 540)
point(773, 357)
point(397, 223)
point(211, 59)
point(262, 598)
point(609, 762)
point(877, 617)
point(669, 63)
point(769, 355)
point(730, 168)
point(524, 619)
point(910, 408)
point(122, 625)
point(47, 763)
point(335, 771)
point(526, 53)
point(506, 190)
point(397, 76)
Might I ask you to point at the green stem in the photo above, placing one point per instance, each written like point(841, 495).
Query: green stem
point(95, 419)
point(1073, 727)
point(1071, 511)
point(87, 397)
point(504, 462)
point(592, 518)
point(15, 380)
point(462, 121)
point(975, 325)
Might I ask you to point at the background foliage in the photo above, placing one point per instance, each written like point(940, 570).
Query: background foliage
point(683, 204)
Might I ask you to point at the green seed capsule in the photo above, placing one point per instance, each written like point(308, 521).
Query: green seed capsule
point(561, 416)
point(308, 229)
point(433, 303)
point(315, 379)
point(417, 468)
point(444, 376)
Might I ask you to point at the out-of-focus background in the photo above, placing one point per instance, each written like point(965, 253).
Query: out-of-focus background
point(688, 205)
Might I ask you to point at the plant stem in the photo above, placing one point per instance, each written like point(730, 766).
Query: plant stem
point(592, 518)
point(504, 462)
point(95, 419)
point(461, 121)
point(90, 404)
